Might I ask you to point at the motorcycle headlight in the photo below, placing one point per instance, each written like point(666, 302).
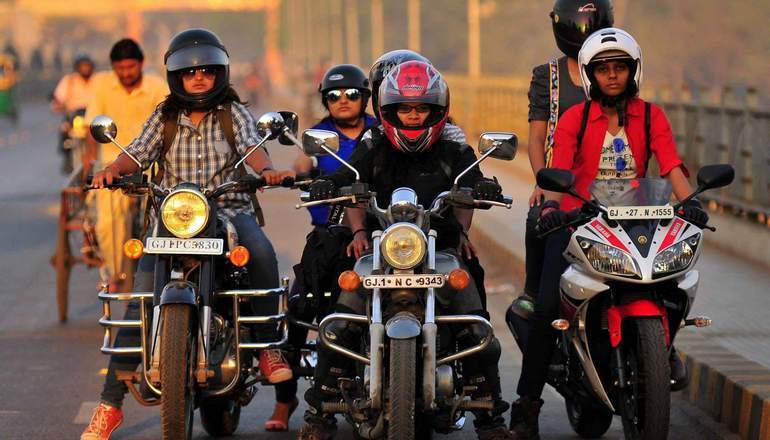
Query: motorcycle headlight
point(608, 259)
point(676, 257)
point(403, 246)
point(185, 213)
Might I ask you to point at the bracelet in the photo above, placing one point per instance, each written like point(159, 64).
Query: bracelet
point(358, 230)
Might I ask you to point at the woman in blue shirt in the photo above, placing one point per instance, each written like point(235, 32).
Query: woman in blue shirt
point(345, 94)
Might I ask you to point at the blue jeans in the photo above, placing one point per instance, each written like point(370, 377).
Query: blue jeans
point(263, 274)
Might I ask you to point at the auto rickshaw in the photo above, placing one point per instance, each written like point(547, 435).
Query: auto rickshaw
point(7, 87)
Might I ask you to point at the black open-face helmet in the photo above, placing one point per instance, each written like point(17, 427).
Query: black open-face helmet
point(574, 20)
point(345, 76)
point(195, 48)
point(382, 67)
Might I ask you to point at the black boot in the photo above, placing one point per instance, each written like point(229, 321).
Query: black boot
point(679, 378)
point(524, 415)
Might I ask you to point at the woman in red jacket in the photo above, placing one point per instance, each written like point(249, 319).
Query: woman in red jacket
point(604, 138)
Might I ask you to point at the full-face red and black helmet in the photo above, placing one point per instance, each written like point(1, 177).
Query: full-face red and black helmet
point(414, 82)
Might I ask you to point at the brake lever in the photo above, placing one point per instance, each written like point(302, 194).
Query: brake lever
point(577, 221)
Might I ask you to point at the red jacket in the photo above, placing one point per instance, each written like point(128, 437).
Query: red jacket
point(583, 161)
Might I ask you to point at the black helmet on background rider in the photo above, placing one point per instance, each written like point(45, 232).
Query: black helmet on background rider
point(384, 65)
point(82, 58)
point(574, 20)
point(345, 76)
point(196, 48)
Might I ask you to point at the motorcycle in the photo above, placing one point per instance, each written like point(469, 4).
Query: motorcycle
point(196, 350)
point(72, 134)
point(630, 285)
point(409, 381)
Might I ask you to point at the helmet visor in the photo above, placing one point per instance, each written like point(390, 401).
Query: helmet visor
point(198, 55)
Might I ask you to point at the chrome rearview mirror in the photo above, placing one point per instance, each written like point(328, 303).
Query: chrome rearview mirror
point(317, 142)
point(291, 128)
point(499, 145)
point(313, 141)
point(104, 131)
point(270, 125)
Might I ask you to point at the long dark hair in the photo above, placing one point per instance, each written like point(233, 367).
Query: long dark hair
point(171, 106)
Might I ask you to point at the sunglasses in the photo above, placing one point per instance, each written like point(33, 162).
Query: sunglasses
point(208, 72)
point(350, 94)
point(405, 109)
point(619, 146)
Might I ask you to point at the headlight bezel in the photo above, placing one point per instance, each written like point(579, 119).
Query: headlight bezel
point(607, 251)
point(188, 232)
point(675, 252)
point(420, 240)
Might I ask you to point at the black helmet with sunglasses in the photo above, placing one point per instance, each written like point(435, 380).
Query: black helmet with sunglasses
point(345, 79)
point(197, 49)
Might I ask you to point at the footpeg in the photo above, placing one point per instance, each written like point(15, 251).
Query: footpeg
point(698, 321)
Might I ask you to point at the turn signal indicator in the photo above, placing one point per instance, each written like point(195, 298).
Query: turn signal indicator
point(349, 281)
point(133, 249)
point(458, 279)
point(239, 256)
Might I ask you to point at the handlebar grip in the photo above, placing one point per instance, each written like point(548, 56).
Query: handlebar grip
point(287, 182)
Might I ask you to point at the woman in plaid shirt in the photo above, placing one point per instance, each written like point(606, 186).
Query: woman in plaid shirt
point(197, 67)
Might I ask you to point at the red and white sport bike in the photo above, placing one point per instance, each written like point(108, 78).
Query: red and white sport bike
point(629, 286)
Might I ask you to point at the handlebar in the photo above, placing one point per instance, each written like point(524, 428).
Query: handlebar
point(138, 183)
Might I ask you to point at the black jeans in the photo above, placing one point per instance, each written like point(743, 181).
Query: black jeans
point(542, 337)
point(535, 252)
point(263, 273)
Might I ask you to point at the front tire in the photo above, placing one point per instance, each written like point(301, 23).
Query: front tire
point(588, 421)
point(220, 417)
point(401, 388)
point(645, 403)
point(176, 361)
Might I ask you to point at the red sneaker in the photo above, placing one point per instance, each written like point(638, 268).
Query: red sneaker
point(105, 420)
point(274, 366)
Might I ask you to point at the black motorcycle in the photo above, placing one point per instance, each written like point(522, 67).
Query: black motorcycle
point(197, 350)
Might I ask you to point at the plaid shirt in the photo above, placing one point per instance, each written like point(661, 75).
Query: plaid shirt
point(199, 154)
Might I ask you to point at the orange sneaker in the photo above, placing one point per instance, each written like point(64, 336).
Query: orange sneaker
point(279, 421)
point(274, 366)
point(105, 420)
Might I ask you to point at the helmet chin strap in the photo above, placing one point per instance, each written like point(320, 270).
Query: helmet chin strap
point(345, 123)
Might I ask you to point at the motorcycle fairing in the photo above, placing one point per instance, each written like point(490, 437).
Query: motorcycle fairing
point(663, 236)
point(637, 309)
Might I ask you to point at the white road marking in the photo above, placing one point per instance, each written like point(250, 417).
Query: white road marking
point(84, 413)
point(9, 412)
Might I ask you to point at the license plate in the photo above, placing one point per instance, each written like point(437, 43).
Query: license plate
point(191, 246)
point(640, 212)
point(403, 281)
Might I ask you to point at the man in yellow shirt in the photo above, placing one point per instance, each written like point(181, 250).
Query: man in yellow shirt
point(129, 97)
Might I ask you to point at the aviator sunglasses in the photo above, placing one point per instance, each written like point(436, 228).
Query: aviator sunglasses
point(350, 94)
point(208, 72)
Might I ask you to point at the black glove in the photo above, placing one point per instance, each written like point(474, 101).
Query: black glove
point(552, 220)
point(322, 189)
point(488, 189)
point(693, 212)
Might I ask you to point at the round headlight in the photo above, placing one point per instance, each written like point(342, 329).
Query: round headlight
point(185, 213)
point(403, 246)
